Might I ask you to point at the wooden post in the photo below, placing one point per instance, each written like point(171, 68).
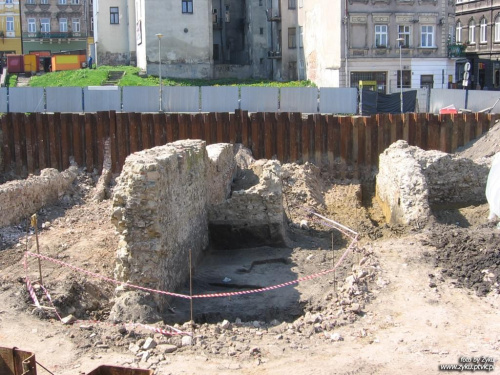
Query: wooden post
point(34, 223)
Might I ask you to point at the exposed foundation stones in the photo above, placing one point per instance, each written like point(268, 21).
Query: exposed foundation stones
point(168, 197)
point(411, 180)
point(22, 198)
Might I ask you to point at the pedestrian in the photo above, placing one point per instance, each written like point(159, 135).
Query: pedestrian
point(90, 62)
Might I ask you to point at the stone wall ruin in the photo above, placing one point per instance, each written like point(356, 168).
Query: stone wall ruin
point(165, 201)
point(410, 181)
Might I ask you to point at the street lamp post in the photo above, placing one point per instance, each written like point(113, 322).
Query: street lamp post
point(400, 40)
point(159, 36)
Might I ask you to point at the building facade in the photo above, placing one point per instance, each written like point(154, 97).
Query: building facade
point(54, 26)
point(10, 28)
point(478, 29)
point(398, 44)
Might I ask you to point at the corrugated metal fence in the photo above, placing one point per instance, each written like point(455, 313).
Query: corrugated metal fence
point(349, 145)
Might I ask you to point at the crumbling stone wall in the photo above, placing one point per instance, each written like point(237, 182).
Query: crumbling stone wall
point(254, 215)
point(22, 198)
point(160, 211)
point(411, 180)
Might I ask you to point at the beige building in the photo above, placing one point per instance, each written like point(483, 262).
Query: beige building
point(389, 41)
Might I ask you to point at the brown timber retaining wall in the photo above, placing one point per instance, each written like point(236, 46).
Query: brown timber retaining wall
point(350, 145)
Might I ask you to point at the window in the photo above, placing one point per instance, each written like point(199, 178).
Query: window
point(8, 1)
point(91, 23)
point(301, 33)
point(381, 35)
point(114, 17)
point(292, 43)
point(45, 25)
point(187, 6)
point(497, 29)
point(30, 1)
point(62, 2)
point(10, 24)
point(261, 31)
point(404, 33)
point(427, 36)
point(472, 32)
point(75, 2)
point(484, 26)
point(292, 4)
point(379, 77)
point(44, 1)
point(75, 25)
point(406, 79)
point(458, 32)
point(31, 25)
point(63, 25)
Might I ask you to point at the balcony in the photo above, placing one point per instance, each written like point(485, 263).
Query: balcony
point(273, 15)
point(274, 55)
point(58, 35)
point(456, 50)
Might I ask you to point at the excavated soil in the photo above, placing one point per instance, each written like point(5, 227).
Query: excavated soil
point(406, 300)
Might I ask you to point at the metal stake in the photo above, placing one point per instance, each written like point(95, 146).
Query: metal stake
point(191, 289)
point(34, 223)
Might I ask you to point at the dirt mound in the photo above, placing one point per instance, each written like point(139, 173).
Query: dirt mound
point(484, 147)
point(472, 257)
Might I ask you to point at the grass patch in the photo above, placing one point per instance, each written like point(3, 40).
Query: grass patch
point(96, 77)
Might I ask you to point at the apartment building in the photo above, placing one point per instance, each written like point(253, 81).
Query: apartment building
point(10, 28)
point(394, 44)
point(54, 26)
point(478, 30)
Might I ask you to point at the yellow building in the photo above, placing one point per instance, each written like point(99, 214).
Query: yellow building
point(10, 27)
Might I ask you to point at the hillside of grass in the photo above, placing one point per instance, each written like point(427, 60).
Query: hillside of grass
point(96, 77)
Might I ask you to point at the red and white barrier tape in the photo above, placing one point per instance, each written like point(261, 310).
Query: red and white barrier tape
point(212, 295)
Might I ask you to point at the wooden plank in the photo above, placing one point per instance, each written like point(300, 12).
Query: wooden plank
point(160, 128)
point(184, 125)
point(172, 127)
point(238, 123)
point(232, 128)
point(446, 133)
point(319, 125)
point(467, 130)
point(482, 123)
point(458, 132)
point(17, 125)
point(89, 150)
point(410, 127)
point(423, 128)
point(196, 126)
point(54, 124)
point(257, 121)
point(434, 131)
point(345, 138)
point(282, 139)
point(78, 138)
point(369, 124)
point(223, 127)
point(29, 128)
point(65, 139)
point(42, 134)
point(146, 130)
point(101, 135)
point(306, 149)
point(135, 144)
point(294, 134)
point(7, 141)
point(121, 138)
point(405, 126)
point(113, 144)
point(245, 129)
point(269, 135)
point(359, 146)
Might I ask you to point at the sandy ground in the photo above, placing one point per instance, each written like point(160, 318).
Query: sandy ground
point(424, 297)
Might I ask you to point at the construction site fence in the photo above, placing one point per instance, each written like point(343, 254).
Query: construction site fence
point(348, 145)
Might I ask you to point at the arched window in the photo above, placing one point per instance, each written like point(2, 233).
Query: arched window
point(458, 32)
point(472, 32)
point(483, 33)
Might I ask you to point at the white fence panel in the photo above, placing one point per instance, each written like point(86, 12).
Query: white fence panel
point(299, 99)
point(102, 98)
point(3, 99)
point(479, 101)
point(140, 99)
point(64, 99)
point(181, 99)
point(338, 100)
point(259, 99)
point(219, 99)
point(441, 98)
point(26, 99)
